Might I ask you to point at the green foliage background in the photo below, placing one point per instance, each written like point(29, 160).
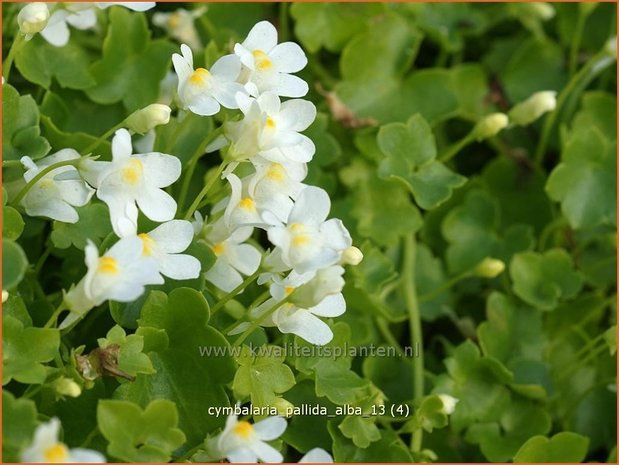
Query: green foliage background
point(530, 354)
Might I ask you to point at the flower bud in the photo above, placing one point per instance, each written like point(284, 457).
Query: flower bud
point(351, 256)
point(68, 387)
point(283, 406)
point(490, 126)
point(489, 268)
point(542, 10)
point(449, 403)
point(532, 108)
point(5, 295)
point(145, 119)
point(33, 18)
point(611, 46)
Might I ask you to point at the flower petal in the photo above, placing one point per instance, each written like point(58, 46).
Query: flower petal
point(331, 306)
point(288, 57)
point(79, 455)
point(298, 114)
point(270, 428)
point(263, 36)
point(121, 145)
point(180, 266)
point(223, 275)
point(317, 455)
point(173, 236)
point(291, 86)
point(245, 258)
point(312, 207)
point(182, 68)
point(204, 105)
point(156, 204)
point(161, 169)
point(227, 67)
point(83, 19)
point(305, 325)
point(266, 453)
point(57, 32)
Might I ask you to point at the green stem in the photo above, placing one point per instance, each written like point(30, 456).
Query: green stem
point(43, 258)
point(255, 323)
point(40, 175)
point(192, 163)
point(232, 294)
point(598, 63)
point(414, 318)
point(102, 138)
point(383, 327)
point(284, 22)
point(576, 39)
point(11, 163)
point(446, 285)
point(90, 437)
point(8, 63)
point(455, 148)
point(211, 182)
point(106, 242)
point(52, 319)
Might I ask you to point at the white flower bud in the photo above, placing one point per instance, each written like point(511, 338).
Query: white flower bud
point(68, 387)
point(489, 268)
point(351, 256)
point(542, 10)
point(490, 126)
point(449, 403)
point(33, 18)
point(145, 119)
point(5, 296)
point(532, 108)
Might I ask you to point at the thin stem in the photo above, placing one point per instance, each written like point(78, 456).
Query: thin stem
point(255, 323)
point(52, 319)
point(40, 175)
point(8, 63)
point(414, 318)
point(582, 78)
point(10, 163)
point(455, 148)
point(446, 285)
point(232, 294)
point(192, 163)
point(43, 258)
point(383, 327)
point(211, 182)
point(576, 39)
point(102, 138)
point(90, 436)
point(284, 22)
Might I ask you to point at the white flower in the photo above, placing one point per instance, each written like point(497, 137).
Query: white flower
point(46, 448)
point(203, 91)
point(310, 288)
point(449, 403)
point(242, 442)
point(33, 18)
point(179, 25)
point(317, 455)
point(351, 256)
point(129, 179)
point(307, 242)
point(241, 209)
point(81, 16)
point(271, 129)
point(55, 195)
point(164, 244)
point(233, 256)
point(147, 118)
point(268, 64)
point(120, 275)
point(304, 322)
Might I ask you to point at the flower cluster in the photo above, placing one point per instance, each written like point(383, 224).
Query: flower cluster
point(307, 247)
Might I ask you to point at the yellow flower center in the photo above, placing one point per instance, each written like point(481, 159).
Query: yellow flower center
point(57, 453)
point(108, 265)
point(296, 227)
point(199, 77)
point(46, 183)
point(276, 172)
point(218, 249)
point(132, 172)
point(270, 123)
point(262, 60)
point(243, 429)
point(301, 239)
point(247, 204)
point(148, 244)
point(174, 20)
point(288, 290)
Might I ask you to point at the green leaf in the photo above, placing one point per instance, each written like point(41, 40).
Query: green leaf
point(262, 376)
point(430, 415)
point(25, 349)
point(389, 448)
point(392, 375)
point(340, 384)
point(598, 110)
point(136, 435)
point(543, 280)
point(411, 158)
point(20, 126)
point(40, 62)
point(361, 430)
point(131, 360)
point(611, 339)
point(183, 136)
point(19, 420)
point(186, 373)
point(14, 264)
point(585, 182)
point(12, 223)
point(94, 225)
point(562, 447)
point(429, 276)
point(331, 25)
point(132, 65)
point(374, 271)
point(474, 232)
